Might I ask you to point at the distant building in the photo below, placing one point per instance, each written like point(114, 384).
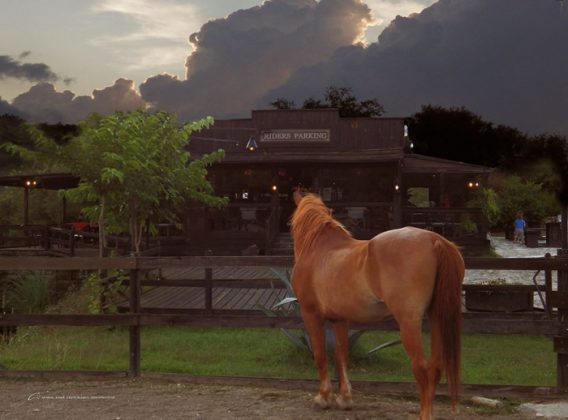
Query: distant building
point(362, 167)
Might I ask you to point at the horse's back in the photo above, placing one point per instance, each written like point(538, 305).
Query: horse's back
point(403, 265)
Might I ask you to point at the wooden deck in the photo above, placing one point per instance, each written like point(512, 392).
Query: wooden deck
point(255, 288)
point(184, 299)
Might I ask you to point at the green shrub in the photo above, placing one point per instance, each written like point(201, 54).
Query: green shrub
point(530, 197)
point(28, 292)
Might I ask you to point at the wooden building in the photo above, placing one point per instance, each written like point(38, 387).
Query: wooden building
point(362, 167)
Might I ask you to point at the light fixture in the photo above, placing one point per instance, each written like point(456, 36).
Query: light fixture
point(30, 183)
point(274, 188)
point(251, 145)
point(472, 184)
point(396, 184)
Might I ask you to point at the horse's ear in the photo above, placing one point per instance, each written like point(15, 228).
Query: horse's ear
point(297, 196)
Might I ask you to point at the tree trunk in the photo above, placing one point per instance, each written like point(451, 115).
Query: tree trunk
point(135, 227)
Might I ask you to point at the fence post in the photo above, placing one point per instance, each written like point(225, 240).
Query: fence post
point(134, 365)
point(72, 242)
point(561, 340)
point(548, 286)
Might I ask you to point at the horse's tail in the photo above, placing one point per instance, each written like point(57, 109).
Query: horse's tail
point(445, 312)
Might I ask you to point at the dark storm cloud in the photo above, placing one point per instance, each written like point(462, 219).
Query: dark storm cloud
point(43, 103)
point(237, 59)
point(505, 60)
point(7, 109)
point(33, 72)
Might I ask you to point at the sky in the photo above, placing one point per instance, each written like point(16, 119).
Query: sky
point(62, 59)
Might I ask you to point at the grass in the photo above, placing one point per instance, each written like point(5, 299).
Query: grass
point(487, 359)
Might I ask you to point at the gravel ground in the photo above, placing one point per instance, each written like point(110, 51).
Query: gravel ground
point(122, 399)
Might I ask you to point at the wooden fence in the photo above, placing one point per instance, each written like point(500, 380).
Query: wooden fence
point(553, 322)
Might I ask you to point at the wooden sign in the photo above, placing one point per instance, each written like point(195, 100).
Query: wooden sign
point(295, 136)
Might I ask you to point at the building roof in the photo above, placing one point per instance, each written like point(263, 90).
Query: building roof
point(413, 163)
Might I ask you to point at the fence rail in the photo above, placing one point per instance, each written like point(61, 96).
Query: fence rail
point(549, 323)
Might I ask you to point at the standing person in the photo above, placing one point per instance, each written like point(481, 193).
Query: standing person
point(520, 226)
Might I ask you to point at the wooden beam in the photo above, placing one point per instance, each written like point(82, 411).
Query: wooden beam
point(148, 263)
point(71, 320)
point(236, 283)
point(75, 263)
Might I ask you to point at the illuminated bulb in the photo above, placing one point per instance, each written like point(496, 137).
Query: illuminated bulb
point(274, 188)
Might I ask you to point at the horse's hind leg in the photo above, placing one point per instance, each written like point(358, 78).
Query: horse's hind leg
point(316, 330)
point(410, 334)
point(341, 328)
point(435, 363)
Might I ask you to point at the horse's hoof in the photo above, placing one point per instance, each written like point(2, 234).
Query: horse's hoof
point(344, 403)
point(322, 402)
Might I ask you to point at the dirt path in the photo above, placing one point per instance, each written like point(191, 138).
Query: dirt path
point(143, 399)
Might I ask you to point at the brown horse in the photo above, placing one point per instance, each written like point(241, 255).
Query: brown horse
point(403, 273)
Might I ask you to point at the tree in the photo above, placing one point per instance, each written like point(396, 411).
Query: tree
point(313, 103)
point(12, 130)
point(458, 134)
point(282, 103)
point(516, 194)
point(341, 98)
point(137, 167)
point(134, 170)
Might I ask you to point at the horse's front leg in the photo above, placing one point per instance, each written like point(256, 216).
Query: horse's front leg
point(316, 329)
point(341, 328)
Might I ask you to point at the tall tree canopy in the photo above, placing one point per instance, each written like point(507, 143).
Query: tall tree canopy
point(341, 98)
point(134, 169)
point(458, 134)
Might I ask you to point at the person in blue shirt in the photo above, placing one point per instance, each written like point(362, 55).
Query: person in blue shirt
point(520, 226)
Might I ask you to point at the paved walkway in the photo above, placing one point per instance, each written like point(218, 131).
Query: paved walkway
point(508, 249)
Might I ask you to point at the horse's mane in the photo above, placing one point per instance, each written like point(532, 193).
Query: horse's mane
point(310, 218)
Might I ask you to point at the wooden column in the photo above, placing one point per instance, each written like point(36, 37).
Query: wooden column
point(442, 188)
point(397, 196)
point(63, 210)
point(134, 365)
point(26, 206)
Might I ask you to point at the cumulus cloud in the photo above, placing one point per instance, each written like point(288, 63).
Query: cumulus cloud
point(386, 10)
point(153, 34)
point(502, 59)
point(32, 72)
point(43, 103)
point(238, 58)
point(7, 109)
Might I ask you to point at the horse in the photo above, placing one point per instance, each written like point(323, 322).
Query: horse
point(402, 273)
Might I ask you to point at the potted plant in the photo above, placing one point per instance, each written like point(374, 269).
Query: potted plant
point(498, 296)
